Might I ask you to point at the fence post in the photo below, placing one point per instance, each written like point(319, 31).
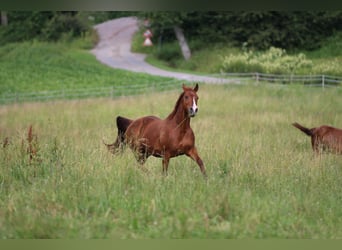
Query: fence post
point(323, 81)
point(257, 77)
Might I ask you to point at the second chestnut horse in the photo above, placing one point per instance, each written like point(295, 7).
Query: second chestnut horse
point(164, 138)
point(323, 138)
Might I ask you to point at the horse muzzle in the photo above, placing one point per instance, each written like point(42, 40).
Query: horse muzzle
point(192, 112)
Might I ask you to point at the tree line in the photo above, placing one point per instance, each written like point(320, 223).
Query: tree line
point(257, 29)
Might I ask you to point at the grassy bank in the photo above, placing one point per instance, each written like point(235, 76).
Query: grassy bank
point(37, 66)
point(263, 179)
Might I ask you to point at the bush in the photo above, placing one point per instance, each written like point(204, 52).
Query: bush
point(43, 26)
point(331, 67)
point(274, 61)
point(64, 26)
point(168, 52)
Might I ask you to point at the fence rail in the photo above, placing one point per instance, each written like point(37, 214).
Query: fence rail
point(312, 80)
point(133, 89)
point(111, 92)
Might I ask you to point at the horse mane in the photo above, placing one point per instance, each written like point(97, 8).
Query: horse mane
point(173, 113)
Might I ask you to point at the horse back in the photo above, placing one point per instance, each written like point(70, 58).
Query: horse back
point(138, 126)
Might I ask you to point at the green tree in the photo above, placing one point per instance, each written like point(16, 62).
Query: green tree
point(259, 29)
point(171, 21)
point(41, 25)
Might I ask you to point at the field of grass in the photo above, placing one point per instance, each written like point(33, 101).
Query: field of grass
point(38, 66)
point(263, 180)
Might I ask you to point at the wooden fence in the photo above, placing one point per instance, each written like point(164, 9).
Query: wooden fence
point(323, 81)
point(310, 80)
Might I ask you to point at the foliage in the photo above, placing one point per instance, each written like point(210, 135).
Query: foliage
point(209, 59)
point(169, 53)
point(53, 25)
point(263, 181)
point(260, 29)
point(60, 25)
point(329, 67)
point(274, 60)
point(42, 25)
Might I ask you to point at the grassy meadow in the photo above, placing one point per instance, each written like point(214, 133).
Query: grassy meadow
point(39, 66)
point(263, 180)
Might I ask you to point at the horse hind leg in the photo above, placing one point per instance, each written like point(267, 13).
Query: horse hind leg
point(141, 157)
point(141, 162)
point(118, 146)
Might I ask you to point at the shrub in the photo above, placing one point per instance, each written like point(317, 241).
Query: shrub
point(274, 60)
point(331, 67)
point(43, 26)
point(64, 26)
point(168, 52)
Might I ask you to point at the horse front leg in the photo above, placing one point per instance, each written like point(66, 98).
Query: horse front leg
point(166, 159)
point(193, 154)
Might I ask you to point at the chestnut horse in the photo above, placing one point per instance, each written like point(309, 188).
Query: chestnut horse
point(323, 138)
point(164, 138)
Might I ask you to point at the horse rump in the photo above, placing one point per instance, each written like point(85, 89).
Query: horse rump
point(324, 138)
point(122, 124)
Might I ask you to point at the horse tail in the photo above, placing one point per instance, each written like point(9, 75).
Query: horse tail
point(307, 131)
point(122, 124)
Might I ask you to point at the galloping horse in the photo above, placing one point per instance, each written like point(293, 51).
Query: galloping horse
point(164, 138)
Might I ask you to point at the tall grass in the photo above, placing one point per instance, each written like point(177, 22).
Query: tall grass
point(264, 181)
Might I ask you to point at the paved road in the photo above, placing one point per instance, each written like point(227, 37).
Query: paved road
point(114, 46)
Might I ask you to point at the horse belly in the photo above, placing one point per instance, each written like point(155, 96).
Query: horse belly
point(177, 148)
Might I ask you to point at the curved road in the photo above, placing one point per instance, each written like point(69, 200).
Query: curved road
point(114, 50)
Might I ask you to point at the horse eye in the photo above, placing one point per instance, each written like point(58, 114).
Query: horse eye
point(186, 97)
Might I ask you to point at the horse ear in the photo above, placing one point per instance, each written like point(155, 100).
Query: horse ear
point(196, 87)
point(184, 87)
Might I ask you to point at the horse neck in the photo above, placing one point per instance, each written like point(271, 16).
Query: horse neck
point(179, 115)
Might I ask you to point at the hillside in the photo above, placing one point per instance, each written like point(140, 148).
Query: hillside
point(39, 66)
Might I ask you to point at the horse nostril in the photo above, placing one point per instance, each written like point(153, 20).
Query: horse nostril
point(192, 110)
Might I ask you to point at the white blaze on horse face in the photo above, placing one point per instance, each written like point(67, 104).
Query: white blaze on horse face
point(194, 107)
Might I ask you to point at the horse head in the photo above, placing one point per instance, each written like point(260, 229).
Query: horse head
point(190, 100)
